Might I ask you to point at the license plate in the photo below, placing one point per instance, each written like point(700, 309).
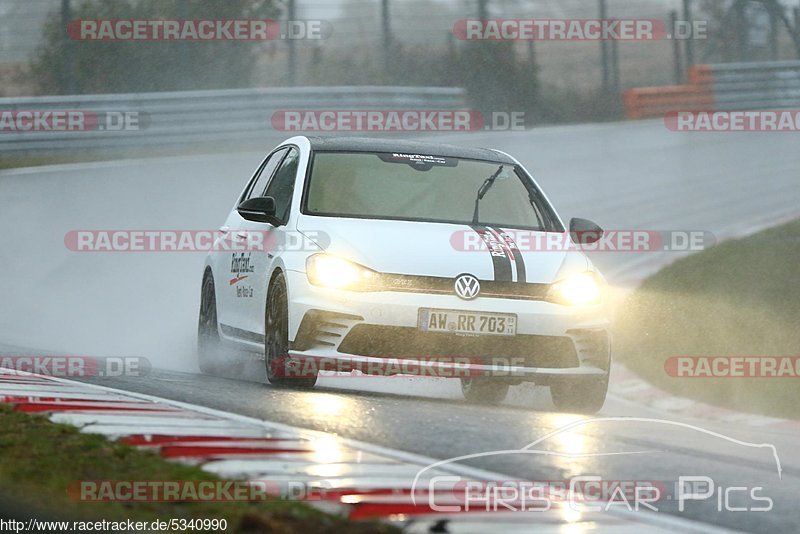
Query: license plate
point(465, 322)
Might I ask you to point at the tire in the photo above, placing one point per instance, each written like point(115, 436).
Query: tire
point(208, 342)
point(281, 370)
point(582, 394)
point(482, 390)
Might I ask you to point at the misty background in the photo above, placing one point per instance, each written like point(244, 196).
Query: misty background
point(390, 42)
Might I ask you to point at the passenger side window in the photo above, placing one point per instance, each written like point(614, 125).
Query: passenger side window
point(260, 183)
point(282, 185)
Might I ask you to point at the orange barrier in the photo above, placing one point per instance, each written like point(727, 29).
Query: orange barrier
point(701, 74)
point(649, 102)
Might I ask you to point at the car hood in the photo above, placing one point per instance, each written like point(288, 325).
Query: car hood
point(438, 249)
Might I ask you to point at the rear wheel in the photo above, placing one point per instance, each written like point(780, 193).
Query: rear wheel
point(579, 394)
point(281, 369)
point(483, 390)
point(208, 342)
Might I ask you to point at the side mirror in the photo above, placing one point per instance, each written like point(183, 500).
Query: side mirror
point(258, 209)
point(584, 231)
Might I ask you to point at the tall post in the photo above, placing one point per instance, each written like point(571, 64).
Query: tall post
point(615, 67)
point(292, 55)
point(182, 12)
point(676, 50)
point(483, 9)
point(604, 48)
point(688, 43)
point(772, 8)
point(451, 45)
point(796, 29)
point(387, 38)
point(741, 31)
point(68, 84)
point(614, 93)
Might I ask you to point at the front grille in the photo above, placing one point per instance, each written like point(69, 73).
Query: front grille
point(443, 285)
point(407, 343)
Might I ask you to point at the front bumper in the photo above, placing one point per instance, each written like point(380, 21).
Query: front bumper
point(347, 330)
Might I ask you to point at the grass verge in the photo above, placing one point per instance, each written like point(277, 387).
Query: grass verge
point(739, 298)
point(39, 459)
point(13, 162)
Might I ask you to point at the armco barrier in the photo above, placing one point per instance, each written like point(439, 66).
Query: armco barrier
point(723, 87)
point(206, 117)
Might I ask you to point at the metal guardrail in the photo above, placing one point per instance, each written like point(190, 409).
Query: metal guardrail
point(228, 116)
point(722, 87)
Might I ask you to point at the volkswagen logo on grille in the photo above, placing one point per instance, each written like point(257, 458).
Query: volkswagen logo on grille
point(467, 286)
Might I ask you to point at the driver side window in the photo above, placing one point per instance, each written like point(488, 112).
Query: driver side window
point(281, 187)
point(260, 183)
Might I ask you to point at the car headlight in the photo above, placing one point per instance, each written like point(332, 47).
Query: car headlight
point(580, 289)
point(334, 272)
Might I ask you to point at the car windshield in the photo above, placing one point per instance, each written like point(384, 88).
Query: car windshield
point(418, 187)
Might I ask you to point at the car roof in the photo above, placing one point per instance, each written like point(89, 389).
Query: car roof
point(366, 144)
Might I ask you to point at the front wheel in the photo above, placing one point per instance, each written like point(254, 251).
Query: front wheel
point(208, 342)
point(483, 390)
point(281, 369)
point(579, 394)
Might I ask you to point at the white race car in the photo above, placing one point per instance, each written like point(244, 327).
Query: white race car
point(395, 257)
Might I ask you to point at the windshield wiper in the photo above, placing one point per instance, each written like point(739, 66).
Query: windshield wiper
point(487, 184)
